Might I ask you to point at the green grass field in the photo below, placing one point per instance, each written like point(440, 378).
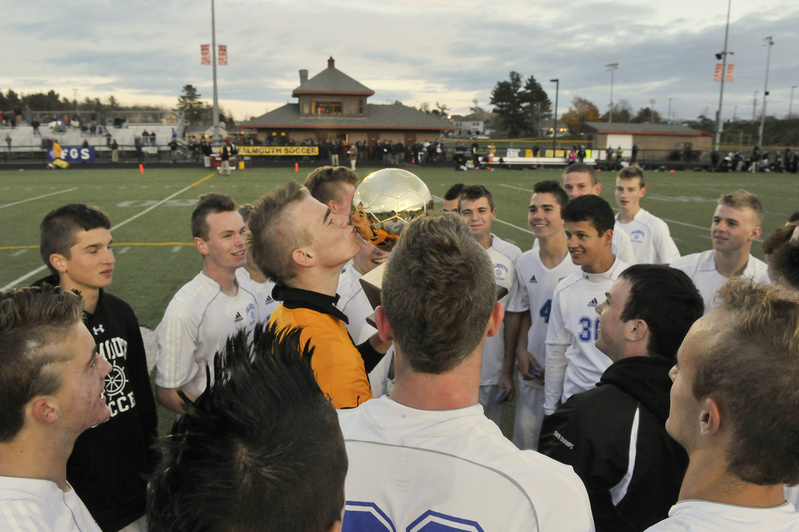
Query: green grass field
point(150, 213)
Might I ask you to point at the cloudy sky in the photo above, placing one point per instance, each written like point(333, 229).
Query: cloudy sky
point(450, 51)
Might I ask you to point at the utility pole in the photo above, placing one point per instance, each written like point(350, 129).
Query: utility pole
point(790, 105)
point(769, 41)
point(668, 119)
point(723, 57)
point(651, 111)
point(555, 123)
point(612, 67)
point(213, 62)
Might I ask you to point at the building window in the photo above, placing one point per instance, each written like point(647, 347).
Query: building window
point(360, 106)
point(326, 108)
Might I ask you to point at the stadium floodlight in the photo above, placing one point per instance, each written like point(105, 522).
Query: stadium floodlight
point(612, 67)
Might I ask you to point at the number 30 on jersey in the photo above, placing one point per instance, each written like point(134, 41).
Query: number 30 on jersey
point(589, 329)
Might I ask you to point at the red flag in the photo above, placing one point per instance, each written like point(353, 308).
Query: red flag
point(223, 55)
point(717, 74)
point(205, 54)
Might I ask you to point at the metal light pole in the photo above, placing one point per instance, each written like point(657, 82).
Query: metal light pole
point(668, 119)
point(651, 111)
point(723, 54)
point(213, 62)
point(769, 41)
point(612, 67)
point(790, 105)
point(555, 123)
point(754, 106)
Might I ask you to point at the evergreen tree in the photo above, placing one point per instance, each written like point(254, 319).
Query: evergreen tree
point(190, 103)
point(508, 99)
point(537, 105)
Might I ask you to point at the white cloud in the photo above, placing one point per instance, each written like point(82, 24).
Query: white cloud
point(451, 51)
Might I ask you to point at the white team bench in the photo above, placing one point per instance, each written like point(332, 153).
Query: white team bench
point(510, 162)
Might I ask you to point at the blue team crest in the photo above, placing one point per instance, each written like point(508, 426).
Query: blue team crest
point(252, 314)
point(501, 272)
point(637, 236)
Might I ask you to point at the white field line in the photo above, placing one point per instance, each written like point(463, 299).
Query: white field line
point(38, 197)
point(31, 273)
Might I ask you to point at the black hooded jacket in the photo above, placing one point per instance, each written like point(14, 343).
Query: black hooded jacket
point(615, 438)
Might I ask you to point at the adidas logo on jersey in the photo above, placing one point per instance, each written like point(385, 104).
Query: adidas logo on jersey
point(269, 300)
point(532, 279)
point(593, 303)
point(238, 318)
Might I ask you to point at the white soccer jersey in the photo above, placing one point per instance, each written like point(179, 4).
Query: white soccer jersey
point(195, 326)
point(706, 516)
point(36, 505)
point(701, 268)
point(620, 245)
point(503, 257)
point(574, 364)
point(537, 286)
point(353, 302)
point(262, 291)
point(650, 238)
point(451, 470)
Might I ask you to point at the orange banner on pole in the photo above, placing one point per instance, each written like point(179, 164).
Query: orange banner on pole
point(205, 54)
point(223, 55)
point(730, 68)
point(717, 74)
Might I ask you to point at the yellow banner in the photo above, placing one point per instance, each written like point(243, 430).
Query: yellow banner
point(278, 150)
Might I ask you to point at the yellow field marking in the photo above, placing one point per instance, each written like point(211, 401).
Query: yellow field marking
point(145, 211)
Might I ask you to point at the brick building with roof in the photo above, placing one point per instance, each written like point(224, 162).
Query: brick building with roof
point(333, 106)
point(654, 139)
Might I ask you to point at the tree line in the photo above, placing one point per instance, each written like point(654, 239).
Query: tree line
point(524, 109)
point(52, 101)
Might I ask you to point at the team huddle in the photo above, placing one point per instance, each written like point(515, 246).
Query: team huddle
point(652, 391)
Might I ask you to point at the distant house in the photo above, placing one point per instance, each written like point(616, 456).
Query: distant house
point(654, 139)
point(467, 127)
point(333, 106)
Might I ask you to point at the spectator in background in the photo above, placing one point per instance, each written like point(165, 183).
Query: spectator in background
point(173, 150)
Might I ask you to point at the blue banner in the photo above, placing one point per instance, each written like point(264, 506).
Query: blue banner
point(74, 154)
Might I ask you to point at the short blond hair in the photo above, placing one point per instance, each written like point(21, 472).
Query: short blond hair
point(273, 236)
point(741, 199)
point(751, 371)
point(325, 182)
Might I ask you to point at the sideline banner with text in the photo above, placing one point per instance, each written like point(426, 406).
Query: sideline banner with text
point(278, 150)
